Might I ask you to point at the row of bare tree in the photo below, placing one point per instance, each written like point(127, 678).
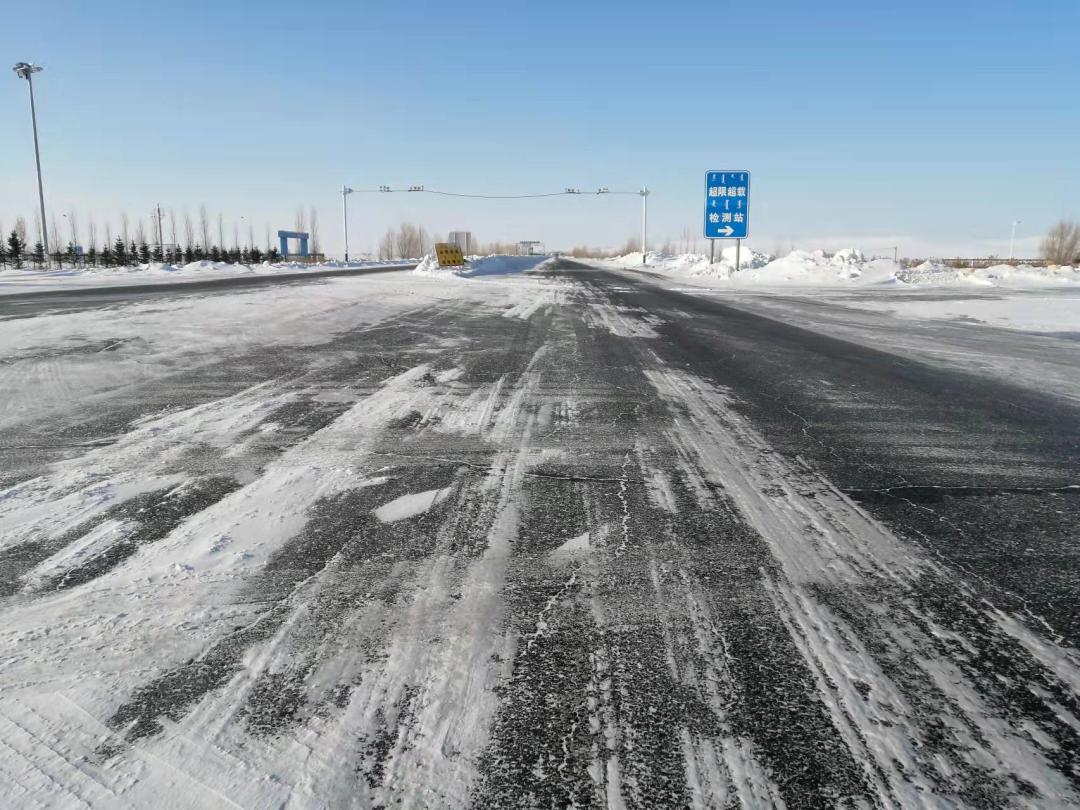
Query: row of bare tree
point(177, 234)
point(406, 241)
point(411, 241)
point(1062, 244)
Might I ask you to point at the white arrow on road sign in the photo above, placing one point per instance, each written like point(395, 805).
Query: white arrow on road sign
point(728, 231)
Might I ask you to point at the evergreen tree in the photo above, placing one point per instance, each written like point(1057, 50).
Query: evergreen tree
point(189, 255)
point(39, 254)
point(144, 253)
point(92, 256)
point(273, 256)
point(215, 254)
point(16, 248)
point(255, 255)
point(107, 257)
point(119, 252)
point(157, 254)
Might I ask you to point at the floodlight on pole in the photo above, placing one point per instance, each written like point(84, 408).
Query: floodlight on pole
point(644, 221)
point(345, 192)
point(25, 70)
point(1012, 237)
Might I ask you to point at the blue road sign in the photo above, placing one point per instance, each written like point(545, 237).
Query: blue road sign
point(727, 204)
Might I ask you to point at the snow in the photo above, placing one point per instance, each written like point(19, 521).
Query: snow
point(786, 502)
point(999, 275)
point(411, 505)
point(844, 268)
point(1053, 311)
point(494, 265)
point(694, 264)
point(29, 280)
point(1033, 299)
point(71, 657)
point(575, 545)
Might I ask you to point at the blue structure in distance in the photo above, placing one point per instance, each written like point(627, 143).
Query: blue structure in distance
point(727, 204)
point(285, 236)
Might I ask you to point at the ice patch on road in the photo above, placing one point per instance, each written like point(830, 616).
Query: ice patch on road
point(407, 506)
point(576, 546)
point(622, 321)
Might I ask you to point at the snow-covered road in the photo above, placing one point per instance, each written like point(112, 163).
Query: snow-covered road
point(568, 538)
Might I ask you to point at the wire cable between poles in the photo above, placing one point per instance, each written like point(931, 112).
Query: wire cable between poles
point(488, 196)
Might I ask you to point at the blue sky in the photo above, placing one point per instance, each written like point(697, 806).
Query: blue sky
point(928, 125)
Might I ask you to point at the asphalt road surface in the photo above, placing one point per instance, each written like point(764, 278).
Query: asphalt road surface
point(604, 544)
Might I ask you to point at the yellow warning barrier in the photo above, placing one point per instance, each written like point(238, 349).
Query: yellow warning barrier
point(449, 255)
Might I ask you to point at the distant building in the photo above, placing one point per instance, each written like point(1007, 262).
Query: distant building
point(464, 240)
point(531, 248)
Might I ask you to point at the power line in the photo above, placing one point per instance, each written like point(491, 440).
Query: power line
point(422, 190)
point(567, 192)
point(496, 196)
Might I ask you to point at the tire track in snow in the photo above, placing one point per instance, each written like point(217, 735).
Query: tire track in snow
point(922, 688)
point(615, 698)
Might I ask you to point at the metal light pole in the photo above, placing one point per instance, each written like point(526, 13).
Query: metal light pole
point(71, 226)
point(644, 221)
point(160, 235)
point(345, 192)
point(25, 70)
point(1012, 237)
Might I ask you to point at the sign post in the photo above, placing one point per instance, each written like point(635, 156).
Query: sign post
point(727, 207)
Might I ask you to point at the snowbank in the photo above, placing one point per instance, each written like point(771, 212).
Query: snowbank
point(817, 268)
point(495, 265)
point(28, 280)
point(693, 264)
point(843, 268)
point(999, 275)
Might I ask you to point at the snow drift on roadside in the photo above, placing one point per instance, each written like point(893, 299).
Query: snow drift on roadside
point(695, 265)
point(999, 275)
point(482, 265)
point(843, 268)
point(817, 268)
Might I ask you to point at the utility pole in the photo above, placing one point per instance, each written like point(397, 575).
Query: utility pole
point(1012, 238)
point(644, 222)
point(345, 192)
point(25, 70)
point(160, 237)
